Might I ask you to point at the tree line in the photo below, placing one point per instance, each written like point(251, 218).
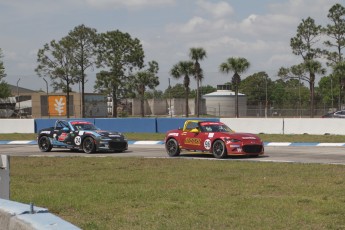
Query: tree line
point(125, 74)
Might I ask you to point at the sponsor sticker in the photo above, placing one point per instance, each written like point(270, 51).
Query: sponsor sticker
point(192, 141)
point(46, 132)
point(77, 140)
point(62, 137)
point(207, 144)
point(249, 138)
point(210, 135)
point(81, 133)
point(173, 134)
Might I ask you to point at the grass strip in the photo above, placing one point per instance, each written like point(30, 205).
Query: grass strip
point(139, 193)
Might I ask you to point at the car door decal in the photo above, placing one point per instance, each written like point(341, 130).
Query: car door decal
point(62, 137)
point(192, 141)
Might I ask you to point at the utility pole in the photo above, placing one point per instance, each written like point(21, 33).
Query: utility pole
point(18, 99)
point(47, 98)
point(170, 110)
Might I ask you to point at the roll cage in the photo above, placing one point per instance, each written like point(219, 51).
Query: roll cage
point(63, 125)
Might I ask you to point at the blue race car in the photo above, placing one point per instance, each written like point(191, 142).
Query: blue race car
point(80, 135)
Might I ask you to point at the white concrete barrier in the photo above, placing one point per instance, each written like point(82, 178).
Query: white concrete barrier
point(255, 125)
point(313, 126)
point(18, 216)
point(17, 125)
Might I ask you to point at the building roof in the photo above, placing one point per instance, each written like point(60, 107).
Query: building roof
point(21, 90)
point(222, 93)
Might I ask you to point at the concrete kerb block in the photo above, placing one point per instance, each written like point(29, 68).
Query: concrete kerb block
point(19, 216)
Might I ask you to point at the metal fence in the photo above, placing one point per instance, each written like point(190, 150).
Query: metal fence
point(162, 110)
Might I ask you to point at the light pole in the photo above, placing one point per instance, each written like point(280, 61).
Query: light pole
point(266, 102)
point(299, 96)
point(332, 91)
point(18, 97)
point(47, 97)
point(170, 111)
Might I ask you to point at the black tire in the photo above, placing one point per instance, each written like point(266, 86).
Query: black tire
point(44, 144)
point(172, 148)
point(89, 145)
point(219, 149)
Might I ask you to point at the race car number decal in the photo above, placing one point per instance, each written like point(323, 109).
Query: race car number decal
point(207, 144)
point(77, 140)
point(192, 141)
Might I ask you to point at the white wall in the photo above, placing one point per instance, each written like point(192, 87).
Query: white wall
point(255, 125)
point(316, 126)
point(17, 126)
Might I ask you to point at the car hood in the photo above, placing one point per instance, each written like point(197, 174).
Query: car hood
point(109, 133)
point(105, 133)
point(244, 137)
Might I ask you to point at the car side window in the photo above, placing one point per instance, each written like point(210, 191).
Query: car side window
point(208, 128)
point(191, 125)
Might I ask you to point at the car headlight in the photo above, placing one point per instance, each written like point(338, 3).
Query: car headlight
point(232, 140)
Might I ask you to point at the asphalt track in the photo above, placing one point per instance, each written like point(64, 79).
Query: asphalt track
point(321, 154)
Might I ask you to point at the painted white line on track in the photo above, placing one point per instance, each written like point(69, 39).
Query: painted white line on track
point(146, 142)
point(331, 144)
point(279, 144)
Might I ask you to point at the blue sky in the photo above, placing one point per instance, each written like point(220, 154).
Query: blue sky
point(258, 30)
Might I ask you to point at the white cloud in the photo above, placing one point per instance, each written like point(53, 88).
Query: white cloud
point(105, 4)
point(276, 25)
point(316, 9)
point(193, 25)
point(217, 10)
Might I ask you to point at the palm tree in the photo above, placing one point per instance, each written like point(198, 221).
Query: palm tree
point(145, 79)
point(313, 67)
point(197, 54)
point(183, 68)
point(338, 70)
point(238, 66)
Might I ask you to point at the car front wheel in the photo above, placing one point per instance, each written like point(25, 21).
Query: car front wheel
point(219, 149)
point(44, 144)
point(172, 148)
point(89, 145)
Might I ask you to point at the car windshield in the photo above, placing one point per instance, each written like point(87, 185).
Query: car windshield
point(216, 128)
point(84, 126)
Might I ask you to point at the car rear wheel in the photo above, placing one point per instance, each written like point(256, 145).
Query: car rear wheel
point(89, 145)
point(172, 148)
point(44, 144)
point(219, 149)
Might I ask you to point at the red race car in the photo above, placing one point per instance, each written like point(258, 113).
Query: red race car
point(212, 137)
